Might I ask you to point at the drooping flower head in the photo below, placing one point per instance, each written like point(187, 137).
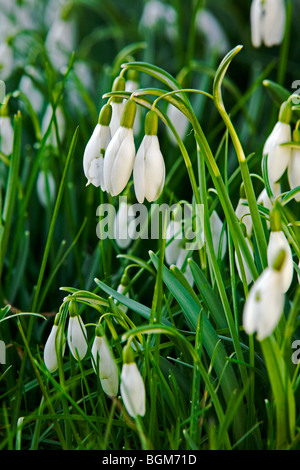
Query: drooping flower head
point(294, 163)
point(120, 153)
point(54, 345)
point(104, 363)
point(132, 386)
point(278, 154)
point(93, 158)
point(77, 335)
point(277, 242)
point(149, 166)
point(267, 19)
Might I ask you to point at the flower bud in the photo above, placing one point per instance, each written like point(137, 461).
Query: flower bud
point(77, 335)
point(104, 364)
point(132, 386)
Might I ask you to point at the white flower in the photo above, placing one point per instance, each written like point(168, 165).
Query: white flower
point(60, 42)
point(214, 34)
point(6, 60)
point(247, 271)
point(278, 156)
point(105, 367)
point(294, 171)
point(179, 121)
point(149, 170)
point(242, 212)
point(119, 160)
point(277, 242)
point(6, 135)
point(133, 390)
point(46, 187)
point(117, 111)
point(50, 352)
point(34, 95)
point(159, 15)
point(264, 304)
point(120, 289)
point(77, 337)
point(267, 22)
point(93, 158)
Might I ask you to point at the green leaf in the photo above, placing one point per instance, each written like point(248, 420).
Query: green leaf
point(191, 311)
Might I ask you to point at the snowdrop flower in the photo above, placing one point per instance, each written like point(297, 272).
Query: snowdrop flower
point(212, 30)
point(277, 242)
point(267, 19)
point(278, 155)
point(247, 272)
point(60, 42)
point(294, 164)
point(132, 386)
point(104, 364)
point(117, 105)
point(50, 351)
point(6, 60)
point(35, 97)
point(159, 15)
point(93, 157)
point(149, 165)
point(120, 153)
point(264, 304)
point(6, 135)
point(179, 121)
point(121, 289)
point(46, 187)
point(76, 333)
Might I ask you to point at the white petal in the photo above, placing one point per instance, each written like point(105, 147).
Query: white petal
point(247, 271)
point(6, 135)
point(123, 163)
point(133, 390)
point(139, 172)
point(278, 157)
point(274, 22)
point(77, 337)
point(117, 110)
point(242, 212)
point(109, 159)
point(256, 23)
point(264, 305)
point(277, 242)
point(50, 354)
point(107, 369)
point(294, 171)
point(154, 170)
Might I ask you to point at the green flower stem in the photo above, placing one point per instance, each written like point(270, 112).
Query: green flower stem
point(257, 224)
point(162, 329)
point(282, 392)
